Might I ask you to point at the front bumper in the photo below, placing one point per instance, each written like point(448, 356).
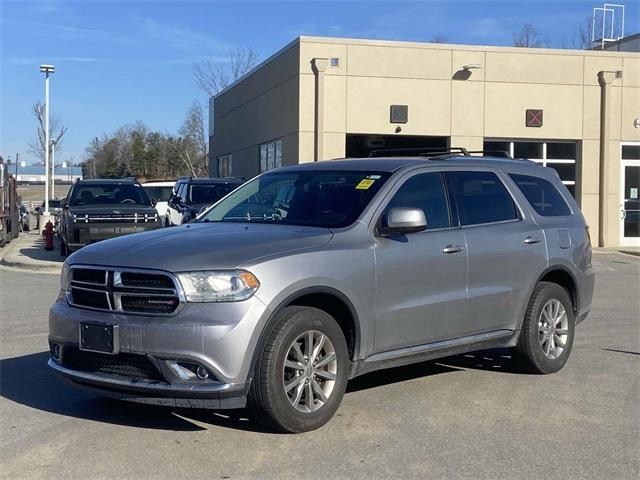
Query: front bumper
point(220, 337)
point(215, 396)
point(80, 234)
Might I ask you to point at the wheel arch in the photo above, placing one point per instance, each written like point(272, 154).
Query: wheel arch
point(324, 298)
point(562, 276)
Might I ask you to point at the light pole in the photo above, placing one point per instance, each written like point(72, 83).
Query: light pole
point(53, 169)
point(46, 69)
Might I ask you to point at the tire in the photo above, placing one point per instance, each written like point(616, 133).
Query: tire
point(268, 401)
point(533, 353)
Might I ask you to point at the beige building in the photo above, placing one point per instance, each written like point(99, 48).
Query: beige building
point(322, 98)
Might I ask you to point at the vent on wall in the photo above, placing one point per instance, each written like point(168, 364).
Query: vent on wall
point(399, 114)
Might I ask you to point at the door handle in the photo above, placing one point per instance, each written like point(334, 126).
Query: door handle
point(452, 249)
point(531, 240)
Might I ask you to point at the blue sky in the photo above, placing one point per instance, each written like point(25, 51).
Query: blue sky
point(120, 62)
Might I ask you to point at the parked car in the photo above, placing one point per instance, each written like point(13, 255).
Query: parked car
point(160, 192)
point(55, 209)
point(310, 275)
point(100, 209)
point(192, 195)
point(25, 218)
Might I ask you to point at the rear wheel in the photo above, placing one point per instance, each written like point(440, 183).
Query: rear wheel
point(301, 373)
point(546, 336)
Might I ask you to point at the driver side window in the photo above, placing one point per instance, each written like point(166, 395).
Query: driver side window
point(427, 192)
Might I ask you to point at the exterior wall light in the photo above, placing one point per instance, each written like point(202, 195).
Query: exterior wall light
point(472, 66)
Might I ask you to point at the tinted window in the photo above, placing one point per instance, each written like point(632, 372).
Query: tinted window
point(108, 194)
point(481, 198)
point(426, 192)
point(210, 193)
point(161, 194)
point(542, 195)
point(301, 197)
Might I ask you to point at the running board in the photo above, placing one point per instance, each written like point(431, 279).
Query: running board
point(430, 351)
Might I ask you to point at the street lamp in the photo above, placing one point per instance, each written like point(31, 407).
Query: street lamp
point(53, 169)
point(46, 69)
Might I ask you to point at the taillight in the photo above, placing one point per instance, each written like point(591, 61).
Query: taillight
point(589, 249)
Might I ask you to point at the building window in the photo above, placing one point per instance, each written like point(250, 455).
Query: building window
point(224, 166)
point(270, 155)
point(561, 156)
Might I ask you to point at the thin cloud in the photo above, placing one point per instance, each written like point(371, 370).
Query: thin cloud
point(38, 60)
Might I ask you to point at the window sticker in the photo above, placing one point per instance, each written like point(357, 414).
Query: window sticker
point(374, 177)
point(633, 193)
point(365, 183)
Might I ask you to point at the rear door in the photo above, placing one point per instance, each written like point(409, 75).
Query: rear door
point(505, 248)
point(421, 278)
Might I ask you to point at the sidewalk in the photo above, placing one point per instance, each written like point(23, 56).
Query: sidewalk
point(27, 253)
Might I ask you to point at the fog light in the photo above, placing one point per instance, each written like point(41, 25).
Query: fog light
point(55, 351)
point(202, 372)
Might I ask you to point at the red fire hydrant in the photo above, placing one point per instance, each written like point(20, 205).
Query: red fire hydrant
point(48, 236)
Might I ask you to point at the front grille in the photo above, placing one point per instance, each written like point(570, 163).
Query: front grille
point(117, 290)
point(124, 364)
point(116, 218)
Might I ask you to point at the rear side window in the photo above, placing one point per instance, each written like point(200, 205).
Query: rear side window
point(424, 191)
point(481, 197)
point(543, 196)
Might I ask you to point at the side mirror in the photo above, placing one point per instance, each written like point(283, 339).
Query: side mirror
point(64, 204)
point(154, 202)
point(401, 220)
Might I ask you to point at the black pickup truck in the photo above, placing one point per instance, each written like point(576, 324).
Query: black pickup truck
point(96, 210)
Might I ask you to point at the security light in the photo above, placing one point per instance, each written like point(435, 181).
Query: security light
point(47, 68)
point(471, 66)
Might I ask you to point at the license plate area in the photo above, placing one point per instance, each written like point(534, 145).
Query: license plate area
point(99, 337)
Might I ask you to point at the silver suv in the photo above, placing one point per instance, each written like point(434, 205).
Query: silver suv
point(308, 276)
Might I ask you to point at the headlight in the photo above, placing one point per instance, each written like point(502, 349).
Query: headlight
point(64, 277)
point(218, 286)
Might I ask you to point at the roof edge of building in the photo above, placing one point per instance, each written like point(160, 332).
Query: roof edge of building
point(287, 47)
point(456, 46)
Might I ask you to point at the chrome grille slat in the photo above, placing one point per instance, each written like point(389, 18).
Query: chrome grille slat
point(143, 291)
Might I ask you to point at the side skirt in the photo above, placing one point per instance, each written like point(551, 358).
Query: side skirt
point(431, 351)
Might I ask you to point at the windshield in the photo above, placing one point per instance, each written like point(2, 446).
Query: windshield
point(312, 198)
point(109, 194)
point(210, 193)
point(161, 194)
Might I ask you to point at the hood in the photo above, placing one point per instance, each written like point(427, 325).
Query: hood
point(200, 246)
point(106, 208)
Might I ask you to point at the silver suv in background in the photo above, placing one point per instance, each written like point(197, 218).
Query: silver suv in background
point(310, 275)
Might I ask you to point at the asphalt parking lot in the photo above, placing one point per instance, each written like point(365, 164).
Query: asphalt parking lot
point(472, 416)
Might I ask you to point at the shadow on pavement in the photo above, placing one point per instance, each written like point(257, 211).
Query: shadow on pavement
point(27, 380)
point(495, 360)
point(36, 251)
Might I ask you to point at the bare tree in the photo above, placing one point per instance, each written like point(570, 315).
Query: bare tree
point(192, 146)
point(583, 34)
point(213, 76)
point(529, 37)
point(57, 130)
point(439, 38)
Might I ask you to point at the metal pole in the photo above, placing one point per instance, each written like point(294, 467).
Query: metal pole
point(46, 144)
point(17, 162)
point(53, 169)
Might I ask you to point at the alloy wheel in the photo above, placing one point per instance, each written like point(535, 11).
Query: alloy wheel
point(553, 329)
point(309, 372)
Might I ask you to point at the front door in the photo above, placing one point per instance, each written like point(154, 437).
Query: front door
point(630, 203)
point(421, 278)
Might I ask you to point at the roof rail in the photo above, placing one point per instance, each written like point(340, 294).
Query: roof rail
point(186, 177)
point(492, 153)
point(130, 178)
point(418, 152)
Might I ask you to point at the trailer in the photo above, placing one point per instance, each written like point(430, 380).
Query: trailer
point(9, 211)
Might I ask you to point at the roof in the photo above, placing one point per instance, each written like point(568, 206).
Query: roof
point(101, 181)
point(159, 184)
point(392, 164)
point(210, 181)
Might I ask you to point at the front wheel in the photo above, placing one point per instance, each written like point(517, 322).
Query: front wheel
point(546, 336)
point(301, 373)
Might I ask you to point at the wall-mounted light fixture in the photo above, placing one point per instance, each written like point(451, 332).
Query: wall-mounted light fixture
point(471, 66)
